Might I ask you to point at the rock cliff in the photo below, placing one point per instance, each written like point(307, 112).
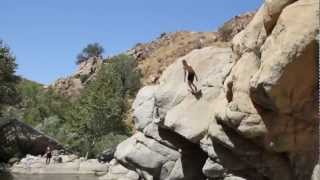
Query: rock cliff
point(254, 116)
point(71, 86)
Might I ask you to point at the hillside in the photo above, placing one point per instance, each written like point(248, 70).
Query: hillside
point(153, 57)
point(71, 86)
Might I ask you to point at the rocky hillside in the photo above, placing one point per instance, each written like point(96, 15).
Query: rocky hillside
point(72, 86)
point(254, 118)
point(156, 56)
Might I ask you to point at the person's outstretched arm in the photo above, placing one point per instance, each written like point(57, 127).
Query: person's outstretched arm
point(196, 76)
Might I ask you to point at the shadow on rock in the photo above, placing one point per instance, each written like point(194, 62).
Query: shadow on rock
point(192, 157)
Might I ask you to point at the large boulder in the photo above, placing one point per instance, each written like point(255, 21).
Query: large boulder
point(179, 110)
point(138, 147)
point(290, 46)
point(153, 159)
point(253, 36)
point(282, 84)
point(20, 139)
point(240, 112)
point(143, 107)
point(284, 87)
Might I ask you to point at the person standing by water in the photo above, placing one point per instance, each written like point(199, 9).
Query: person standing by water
point(48, 155)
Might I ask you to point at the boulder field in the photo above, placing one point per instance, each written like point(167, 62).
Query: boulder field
point(253, 118)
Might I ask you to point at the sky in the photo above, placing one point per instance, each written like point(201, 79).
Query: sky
point(46, 35)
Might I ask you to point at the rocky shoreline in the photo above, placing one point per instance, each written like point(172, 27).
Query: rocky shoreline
point(70, 164)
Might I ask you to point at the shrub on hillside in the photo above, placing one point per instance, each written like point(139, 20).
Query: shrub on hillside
point(38, 103)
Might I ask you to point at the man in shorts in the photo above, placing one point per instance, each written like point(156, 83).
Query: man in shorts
point(190, 73)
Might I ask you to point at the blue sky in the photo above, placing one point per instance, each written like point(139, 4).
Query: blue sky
point(47, 35)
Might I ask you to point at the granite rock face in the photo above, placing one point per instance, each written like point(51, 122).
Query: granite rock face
point(254, 116)
point(72, 86)
point(154, 160)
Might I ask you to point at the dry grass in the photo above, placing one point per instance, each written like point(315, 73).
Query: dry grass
point(155, 56)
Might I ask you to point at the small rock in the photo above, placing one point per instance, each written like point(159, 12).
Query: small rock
point(212, 169)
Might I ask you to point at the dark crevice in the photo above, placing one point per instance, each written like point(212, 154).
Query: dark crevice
point(234, 165)
point(269, 25)
point(229, 94)
point(193, 158)
point(261, 100)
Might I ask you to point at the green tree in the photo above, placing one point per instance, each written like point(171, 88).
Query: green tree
point(92, 122)
point(91, 50)
point(103, 106)
point(38, 103)
point(8, 79)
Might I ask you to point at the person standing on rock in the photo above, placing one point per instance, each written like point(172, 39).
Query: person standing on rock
point(48, 155)
point(190, 73)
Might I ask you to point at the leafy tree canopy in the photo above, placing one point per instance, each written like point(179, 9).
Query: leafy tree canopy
point(91, 50)
point(8, 79)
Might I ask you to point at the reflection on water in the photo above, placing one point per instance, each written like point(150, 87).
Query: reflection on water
point(46, 177)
